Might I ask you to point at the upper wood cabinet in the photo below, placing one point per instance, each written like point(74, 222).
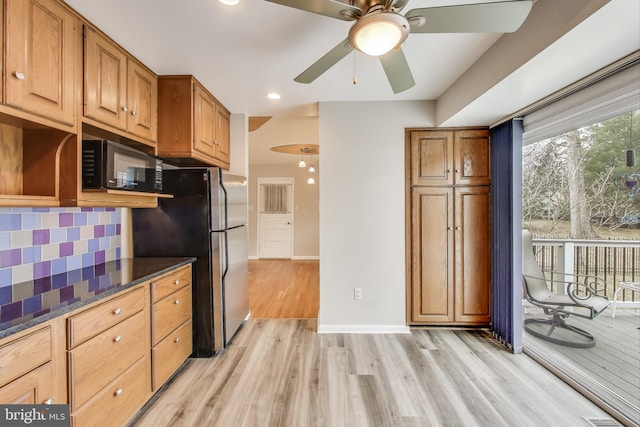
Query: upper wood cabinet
point(450, 157)
point(193, 126)
point(118, 90)
point(40, 55)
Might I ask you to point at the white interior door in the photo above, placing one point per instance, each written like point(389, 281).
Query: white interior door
point(275, 218)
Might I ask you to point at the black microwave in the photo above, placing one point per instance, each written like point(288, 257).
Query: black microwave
point(109, 165)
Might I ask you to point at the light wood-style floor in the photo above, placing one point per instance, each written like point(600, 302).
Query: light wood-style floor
point(279, 372)
point(284, 289)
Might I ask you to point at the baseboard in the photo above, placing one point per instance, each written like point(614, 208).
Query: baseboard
point(363, 329)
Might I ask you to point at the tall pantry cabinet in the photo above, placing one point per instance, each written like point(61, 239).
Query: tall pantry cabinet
point(448, 226)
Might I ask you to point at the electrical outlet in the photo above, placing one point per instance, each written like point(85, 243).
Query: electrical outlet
point(357, 293)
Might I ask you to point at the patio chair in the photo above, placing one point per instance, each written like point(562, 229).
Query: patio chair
point(583, 297)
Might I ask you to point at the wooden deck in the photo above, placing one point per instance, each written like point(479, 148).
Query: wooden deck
point(613, 363)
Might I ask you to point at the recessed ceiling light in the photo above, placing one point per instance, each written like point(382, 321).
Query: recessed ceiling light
point(229, 2)
point(273, 95)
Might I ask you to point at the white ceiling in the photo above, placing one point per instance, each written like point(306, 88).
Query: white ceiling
point(241, 53)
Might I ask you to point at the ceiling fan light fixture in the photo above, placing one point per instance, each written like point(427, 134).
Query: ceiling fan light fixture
point(378, 33)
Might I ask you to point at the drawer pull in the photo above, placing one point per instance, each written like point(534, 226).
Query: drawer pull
point(18, 75)
point(177, 340)
point(116, 311)
point(117, 339)
point(125, 109)
point(176, 302)
point(176, 282)
point(49, 401)
point(117, 393)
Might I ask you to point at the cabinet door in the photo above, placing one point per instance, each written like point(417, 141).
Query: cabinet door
point(105, 80)
point(222, 135)
point(431, 157)
point(40, 58)
point(432, 255)
point(142, 93)
point(473, 249)
point(203, 122)
point(33, 388)
point(471, 157)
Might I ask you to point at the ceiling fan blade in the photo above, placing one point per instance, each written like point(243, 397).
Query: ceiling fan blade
point(399, 4)
point(330, 8)
point(327, 61)
point(500, 17)
point(397, 70)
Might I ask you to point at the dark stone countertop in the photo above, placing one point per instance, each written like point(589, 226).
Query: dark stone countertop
point(27, 304)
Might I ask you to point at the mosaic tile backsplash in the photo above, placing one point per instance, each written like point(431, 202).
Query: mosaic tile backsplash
point(40, 242)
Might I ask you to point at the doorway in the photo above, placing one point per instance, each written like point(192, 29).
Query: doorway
point(275, 218)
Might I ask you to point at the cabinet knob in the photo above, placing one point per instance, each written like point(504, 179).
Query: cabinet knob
point(176, 282)
point(18, 75)
point(116, 311)
point(457, 170)
point(133, 113)
point(449, 228)
point(458, 228)
point(176, 302)
point(118, 392)
point(177, 340)
point(117, 339)
point(49, 401)
point(125, 109)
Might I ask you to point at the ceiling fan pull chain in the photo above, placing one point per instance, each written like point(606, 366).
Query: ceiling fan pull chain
point(355, 78)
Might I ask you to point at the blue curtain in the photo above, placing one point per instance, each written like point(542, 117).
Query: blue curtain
point(506, 217)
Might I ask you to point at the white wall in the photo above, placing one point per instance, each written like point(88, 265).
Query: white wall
point(362, 211)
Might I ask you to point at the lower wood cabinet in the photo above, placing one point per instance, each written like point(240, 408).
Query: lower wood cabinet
point(113, 356)
point(170, 353)
point(450, 255)
point(35, 387)
point(31, 368)
point(171, 324)
point(116, 349)
point(117, 402)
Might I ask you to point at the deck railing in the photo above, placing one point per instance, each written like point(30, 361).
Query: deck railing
point(614, 261)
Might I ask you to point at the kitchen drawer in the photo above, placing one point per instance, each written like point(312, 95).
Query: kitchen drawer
point(91, 322)
point(33, 388)
point(169, 313)
point(97, 362)
point(117, 402)
point(170, 283)
point(167, 356)
point(24, 354)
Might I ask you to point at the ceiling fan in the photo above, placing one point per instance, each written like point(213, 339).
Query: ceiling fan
point(379, 29)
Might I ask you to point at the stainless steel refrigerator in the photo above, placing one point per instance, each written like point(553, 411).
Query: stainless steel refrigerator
point(206, 219)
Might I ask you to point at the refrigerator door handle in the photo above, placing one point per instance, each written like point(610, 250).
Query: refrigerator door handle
point(225, 255)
